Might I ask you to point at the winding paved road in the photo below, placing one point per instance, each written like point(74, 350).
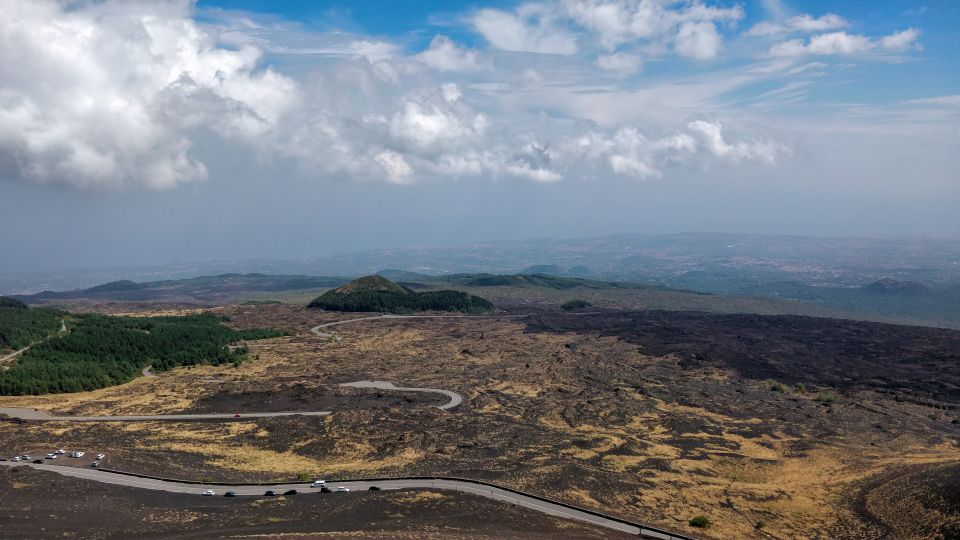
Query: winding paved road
point(488, 491)
point(38, 415)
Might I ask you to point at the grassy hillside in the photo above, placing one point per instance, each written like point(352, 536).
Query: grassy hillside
point(20, 326)
point(377, 293)
point(101, 351)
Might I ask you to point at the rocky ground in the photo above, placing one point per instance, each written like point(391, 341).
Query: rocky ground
point(38, 504)
point(784, 427)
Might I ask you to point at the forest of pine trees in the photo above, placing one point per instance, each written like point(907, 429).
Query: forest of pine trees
point(101, 351)
point(397, 302)
point(21, 326)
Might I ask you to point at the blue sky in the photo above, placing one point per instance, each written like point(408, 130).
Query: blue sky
point(805, 117)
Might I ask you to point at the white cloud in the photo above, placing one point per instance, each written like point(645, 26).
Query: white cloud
point(711, 134)
point(529, 29)
point(102, 95)
point(698, 40)
point(842, 43)
point(615, 22)
point(627, 151)
point(948, 101)
point(445, 55)
point(799, 23)
point(433, 126)
point(623, 64)
point(396, 168)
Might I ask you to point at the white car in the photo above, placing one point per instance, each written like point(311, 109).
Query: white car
point(342, 489)
point(25, 458)
point(209, 493)
point(318, 483)
point(60, 451)
point(15, 458)
point(51, 456)
point(78, 454)
point(101, 456)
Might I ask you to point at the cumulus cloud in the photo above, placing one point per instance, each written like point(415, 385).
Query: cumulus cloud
point(615, 22)
point(102, 95)
point(698, 40)
point(395, 167)
point(530, 28)
point(627, 151)
point(842, 43)
point(800, 23)
point(108, 94)
point(711, 135)
point(560, 27)
point(445, 55)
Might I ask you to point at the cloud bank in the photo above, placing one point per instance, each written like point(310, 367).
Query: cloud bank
point(128, 94)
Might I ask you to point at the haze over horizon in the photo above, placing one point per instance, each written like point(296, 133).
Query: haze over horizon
point(138, 133)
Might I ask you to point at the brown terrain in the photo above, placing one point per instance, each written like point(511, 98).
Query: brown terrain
point(80, 506)
point(771, 426)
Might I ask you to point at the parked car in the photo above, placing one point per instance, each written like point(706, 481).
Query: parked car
point(290, 492)
point(270, 493)
point(51, 456)
point(229, 494)
point(373, 488)
point(60, 451)
point(25, 458)
point(343, 489)
point(38, 461)
point(318, 483)
point(101, 456)
point(78, 454)
point(15, 458)
point(95, 464)
point(325, 489)
point(209, 493)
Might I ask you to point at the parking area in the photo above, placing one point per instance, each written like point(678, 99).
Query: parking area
point(61, 456)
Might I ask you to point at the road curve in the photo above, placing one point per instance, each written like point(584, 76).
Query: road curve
point(455, 398)
point(317, 329)
point(483, 489)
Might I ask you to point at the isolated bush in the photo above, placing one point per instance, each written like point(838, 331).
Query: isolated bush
point(575, 304)
point(826, 397)
point(700, 522)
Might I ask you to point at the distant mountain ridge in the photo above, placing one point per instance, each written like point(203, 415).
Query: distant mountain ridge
point(198, 288)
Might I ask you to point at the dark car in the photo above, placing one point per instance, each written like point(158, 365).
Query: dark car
point(229, 494)
point(290, 492)
point(270, 493)
point(38, 461)
point(325, 489)
point(374, 488)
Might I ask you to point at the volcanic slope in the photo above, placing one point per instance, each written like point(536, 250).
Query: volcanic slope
point(377, 293)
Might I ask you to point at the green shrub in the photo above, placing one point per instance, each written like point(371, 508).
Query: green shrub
point(827, 397)
point(575, 304)
point(700, 522)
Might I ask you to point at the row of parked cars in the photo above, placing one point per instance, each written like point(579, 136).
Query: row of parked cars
point(56, 454)
point(322, 484)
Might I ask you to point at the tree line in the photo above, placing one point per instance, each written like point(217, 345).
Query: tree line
point(102, 351)
point(397, 302)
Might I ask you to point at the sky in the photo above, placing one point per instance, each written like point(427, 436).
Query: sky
point(145, 132)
